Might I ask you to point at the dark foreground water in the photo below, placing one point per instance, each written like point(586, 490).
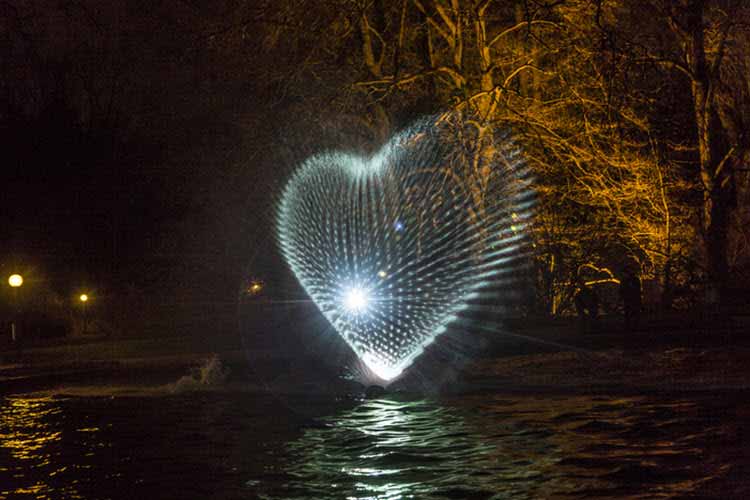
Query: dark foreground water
point(238, 445)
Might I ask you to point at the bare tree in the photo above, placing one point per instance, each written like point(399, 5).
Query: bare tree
point(590, 91)
point(707, 46)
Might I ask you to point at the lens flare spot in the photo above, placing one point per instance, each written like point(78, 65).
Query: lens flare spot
point(356, 300)
point(382, 370)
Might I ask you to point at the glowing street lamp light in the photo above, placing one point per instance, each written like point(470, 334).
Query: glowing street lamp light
point(83, 298)
point(15, 281)
point(254, 288)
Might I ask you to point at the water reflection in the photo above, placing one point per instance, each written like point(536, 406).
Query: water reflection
point(518, 447)
point(30, 438)
point(392, 449)
point(26, 429)
point(206, 445)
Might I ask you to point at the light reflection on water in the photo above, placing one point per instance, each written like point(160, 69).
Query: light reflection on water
point(491, 447)
point(25, 428)
point(30, 436)
point(391, 449)
point(245, 446)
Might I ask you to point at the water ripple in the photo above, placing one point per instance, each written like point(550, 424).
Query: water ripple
point(495, 448)
point(248, 446)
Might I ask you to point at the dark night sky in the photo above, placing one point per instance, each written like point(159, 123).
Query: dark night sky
point(154, 184)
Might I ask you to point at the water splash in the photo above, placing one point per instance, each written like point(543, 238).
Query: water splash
point(211, 373)
point(392, 247)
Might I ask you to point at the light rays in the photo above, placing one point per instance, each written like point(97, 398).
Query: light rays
point(392, 247)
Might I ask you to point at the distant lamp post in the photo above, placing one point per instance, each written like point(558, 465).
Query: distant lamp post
point(84, 299)
point(254, 288)
point(15, 281)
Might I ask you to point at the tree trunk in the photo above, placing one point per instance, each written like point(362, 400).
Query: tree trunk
point(714, 171)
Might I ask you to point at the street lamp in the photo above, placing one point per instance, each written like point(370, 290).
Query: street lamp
point(84, 299)
point(254, 288)
point(15, 281)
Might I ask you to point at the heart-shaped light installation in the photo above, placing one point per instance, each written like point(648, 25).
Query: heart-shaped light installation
point(391, 247)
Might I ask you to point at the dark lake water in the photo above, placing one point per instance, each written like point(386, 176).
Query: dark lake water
point(227, 445)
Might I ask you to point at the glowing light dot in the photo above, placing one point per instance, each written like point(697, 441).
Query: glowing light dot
point(356, 300)
point(255, 288)
point(15, 280)
point(379, 368)
point(83, 297)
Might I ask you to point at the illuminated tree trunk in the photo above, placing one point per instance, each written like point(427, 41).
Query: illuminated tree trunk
point(715, 168)
point(373, 51)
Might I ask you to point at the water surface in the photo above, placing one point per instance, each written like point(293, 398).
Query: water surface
point(222, 444)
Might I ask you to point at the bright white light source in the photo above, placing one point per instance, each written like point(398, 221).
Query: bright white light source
point(382, 370)
point(356, 300)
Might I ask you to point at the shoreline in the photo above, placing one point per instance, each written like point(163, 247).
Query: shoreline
point(557, 360)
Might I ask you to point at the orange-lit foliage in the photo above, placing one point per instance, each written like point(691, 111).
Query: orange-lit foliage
point(603, 98)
